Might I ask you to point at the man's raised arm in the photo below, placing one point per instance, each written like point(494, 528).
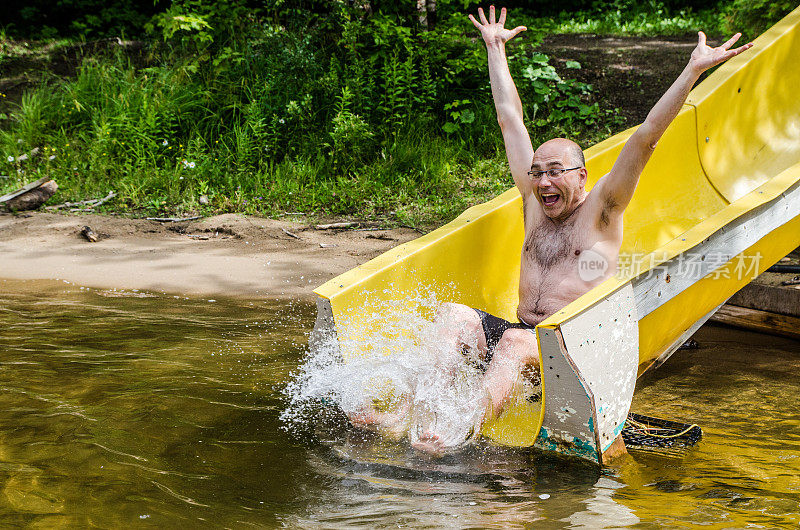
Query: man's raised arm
point(618, 186)
point(519, 149)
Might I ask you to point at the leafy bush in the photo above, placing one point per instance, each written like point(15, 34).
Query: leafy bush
point(351, 112)
point(753, 17)
point(627, 17)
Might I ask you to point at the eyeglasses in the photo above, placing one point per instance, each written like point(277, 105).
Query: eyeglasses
point(553, 173)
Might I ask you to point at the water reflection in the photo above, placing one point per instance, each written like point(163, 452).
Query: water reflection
point(122, 409)
point(381, 484)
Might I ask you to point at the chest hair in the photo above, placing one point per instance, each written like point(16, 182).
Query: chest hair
point(549, 244)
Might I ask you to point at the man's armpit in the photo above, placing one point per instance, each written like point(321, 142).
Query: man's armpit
point(609, 206)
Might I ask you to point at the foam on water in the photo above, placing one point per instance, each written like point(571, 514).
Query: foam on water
point(396, 364)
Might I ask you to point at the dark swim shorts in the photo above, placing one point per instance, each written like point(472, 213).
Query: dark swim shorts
point(494, 327)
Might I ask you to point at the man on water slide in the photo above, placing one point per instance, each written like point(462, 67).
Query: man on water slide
point(561, 220)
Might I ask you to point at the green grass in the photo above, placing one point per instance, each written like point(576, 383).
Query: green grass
point(347, 116)
point(642, 19)
point(381, 124)
point(422, 179)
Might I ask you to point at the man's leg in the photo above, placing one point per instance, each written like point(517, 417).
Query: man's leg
point(458, 327)
point(516, 355)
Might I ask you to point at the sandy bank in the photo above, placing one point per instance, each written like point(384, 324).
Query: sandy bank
point(225, 255)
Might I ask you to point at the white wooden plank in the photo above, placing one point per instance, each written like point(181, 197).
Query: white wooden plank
point(665, 281)
point(568, 422)
point(324, 332)
point(603, 345)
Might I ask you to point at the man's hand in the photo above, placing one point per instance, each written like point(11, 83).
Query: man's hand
point(705, 57)
point(494, 33)
point(519, 149)
point(618, 186)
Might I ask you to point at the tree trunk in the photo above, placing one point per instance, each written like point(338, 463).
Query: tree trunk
point(431, 14)
point(422, 13)
point(426, 14)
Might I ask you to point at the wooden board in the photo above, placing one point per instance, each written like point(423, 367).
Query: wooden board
point(783, 300)
point(756, 320)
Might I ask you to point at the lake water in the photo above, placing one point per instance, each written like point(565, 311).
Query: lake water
point(124, 409)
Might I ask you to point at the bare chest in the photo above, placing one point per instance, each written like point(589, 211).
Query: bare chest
point(551, 261)
point(550, 245)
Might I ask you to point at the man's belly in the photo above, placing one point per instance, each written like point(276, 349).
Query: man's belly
point(533, 313)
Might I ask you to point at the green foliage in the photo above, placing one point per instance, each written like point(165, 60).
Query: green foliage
point(753, 17)
point(627, 17)
point(201, 35)
point(459, 114)
point(351, 137)
point(556, 104)
point(348, 113)
point(193, 26)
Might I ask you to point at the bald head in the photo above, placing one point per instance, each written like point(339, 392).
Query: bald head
point(572, 152)
point(559, 194)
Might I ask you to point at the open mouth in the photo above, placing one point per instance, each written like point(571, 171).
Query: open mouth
point(549, 199)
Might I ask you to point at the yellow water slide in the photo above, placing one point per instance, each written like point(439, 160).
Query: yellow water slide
point(718, 203)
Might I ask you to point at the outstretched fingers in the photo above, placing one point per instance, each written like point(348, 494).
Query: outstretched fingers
point(493, 28)
point(707, 57)
point(482, 16)
point(731, 41)
point(737, 51)
point(517, 30)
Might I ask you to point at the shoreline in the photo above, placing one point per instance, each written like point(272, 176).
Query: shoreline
point(230, 255)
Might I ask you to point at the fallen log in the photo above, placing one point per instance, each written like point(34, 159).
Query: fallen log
point(30, 196)
point(89, 234)
point(332, 226)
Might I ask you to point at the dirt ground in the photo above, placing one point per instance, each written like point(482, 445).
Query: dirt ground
point(226, 255)
point(232, 255)
point(628, 73)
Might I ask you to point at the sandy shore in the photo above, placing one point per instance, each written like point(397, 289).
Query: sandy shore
point(225, 255)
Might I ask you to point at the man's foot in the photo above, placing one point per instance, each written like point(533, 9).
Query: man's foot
point(434, 445)
point(392, 424)
point(449, 437)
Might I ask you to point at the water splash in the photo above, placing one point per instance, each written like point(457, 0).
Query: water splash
point(392, 364)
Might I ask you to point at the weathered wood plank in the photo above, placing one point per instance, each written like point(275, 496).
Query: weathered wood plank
point(669, 279)
point(770, 298)
point(756, 320)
